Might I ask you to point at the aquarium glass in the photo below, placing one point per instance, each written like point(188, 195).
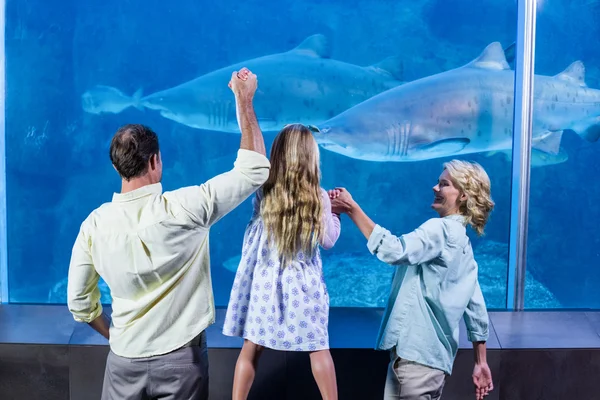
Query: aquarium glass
point(563, 247)
point(78, 70)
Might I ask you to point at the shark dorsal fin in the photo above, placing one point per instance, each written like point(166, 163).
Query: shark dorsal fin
point(574, 73)
point(492, 57)
point(392, 66)
point(314, 46)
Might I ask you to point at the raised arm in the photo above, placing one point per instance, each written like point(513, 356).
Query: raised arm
point(331, 223)
point(421, 245)
point(244, 84)
point(209, 202)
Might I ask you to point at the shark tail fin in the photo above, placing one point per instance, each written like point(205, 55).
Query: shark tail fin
point(393, 66)
point(136, 99)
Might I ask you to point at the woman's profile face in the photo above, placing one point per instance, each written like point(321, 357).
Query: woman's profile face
point(447, 197)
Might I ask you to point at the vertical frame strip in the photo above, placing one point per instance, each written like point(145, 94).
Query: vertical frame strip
point(521, 155)
point(3, 229)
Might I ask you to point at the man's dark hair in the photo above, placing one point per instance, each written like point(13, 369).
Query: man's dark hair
point(131, 149)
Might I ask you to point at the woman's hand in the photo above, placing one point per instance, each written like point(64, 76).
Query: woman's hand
point(341, 201)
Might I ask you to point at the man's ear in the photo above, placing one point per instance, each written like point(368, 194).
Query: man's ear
point(153, 162)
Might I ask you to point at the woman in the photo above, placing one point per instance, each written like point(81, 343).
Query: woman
point(435, 285)
point(279, 299)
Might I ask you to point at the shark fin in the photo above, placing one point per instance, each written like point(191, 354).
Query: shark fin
point(509, 53)
point(492, 57)
point(574, 73)
point(314, 46)
point(506, 154)
point(137, 96)
point(548, 142)
point(392, 65)
point(445, 147)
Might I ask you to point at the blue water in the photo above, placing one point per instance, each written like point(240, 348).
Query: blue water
point(58, 168)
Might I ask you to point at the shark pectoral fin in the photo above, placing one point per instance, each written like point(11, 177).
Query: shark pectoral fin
point(445, 147)
point(574, 73)
point(393, 66)
point(314, 46)
point(506, 154)
point(548, 142)
point(492, 57)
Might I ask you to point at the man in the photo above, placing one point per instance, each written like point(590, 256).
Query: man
point(152, 250)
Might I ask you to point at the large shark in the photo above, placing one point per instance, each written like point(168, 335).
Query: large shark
point(300, 85)
point(462, 111)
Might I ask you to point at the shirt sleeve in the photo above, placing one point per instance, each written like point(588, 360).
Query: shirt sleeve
point(83, 294)
point(256, 200)
point(476, 317)
point(425, 243)
point(331, 223)
point(207, 203)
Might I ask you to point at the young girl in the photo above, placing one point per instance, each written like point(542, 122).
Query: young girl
point(279, 299)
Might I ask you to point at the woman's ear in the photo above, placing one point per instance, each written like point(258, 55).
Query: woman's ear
point(463, 197)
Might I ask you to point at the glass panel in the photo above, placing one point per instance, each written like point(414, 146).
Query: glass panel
point(563, 238)
point(79, 70)
point(3, 247)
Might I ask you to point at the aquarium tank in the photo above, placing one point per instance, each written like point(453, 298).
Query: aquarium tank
point(396, 88)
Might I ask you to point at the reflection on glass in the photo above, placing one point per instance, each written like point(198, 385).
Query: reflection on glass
point(395, 87)
point(563, 250)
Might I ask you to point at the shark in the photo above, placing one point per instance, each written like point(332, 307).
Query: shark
point(303, 84)
point(461, 111)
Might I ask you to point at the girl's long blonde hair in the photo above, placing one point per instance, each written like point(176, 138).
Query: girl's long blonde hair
point(291, 207)
point(471, 179)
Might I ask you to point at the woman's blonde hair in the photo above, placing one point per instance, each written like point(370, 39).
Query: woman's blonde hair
point(471, 179)
point(291, 207)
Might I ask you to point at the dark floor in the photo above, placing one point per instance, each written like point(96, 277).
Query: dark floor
point(545, 355)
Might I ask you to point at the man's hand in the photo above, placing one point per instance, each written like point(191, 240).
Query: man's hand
point(482, 378)
point(341, 201)
point(243, 83)
point(102, 325)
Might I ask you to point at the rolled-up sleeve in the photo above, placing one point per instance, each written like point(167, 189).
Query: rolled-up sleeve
point(331, 223)
point(83, 294)
point(425, 243)
point(476, 317)
point(207, 203)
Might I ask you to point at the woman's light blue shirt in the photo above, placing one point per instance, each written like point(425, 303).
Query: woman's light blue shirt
point(435, 285)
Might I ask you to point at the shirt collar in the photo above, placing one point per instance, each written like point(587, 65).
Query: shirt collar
point(155, 188)
point(456, 217)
